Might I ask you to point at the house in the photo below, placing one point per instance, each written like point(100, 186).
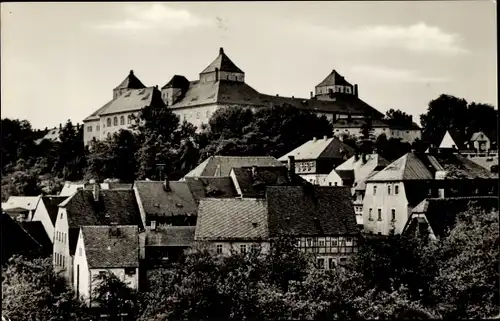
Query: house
point(101, 249)
point(166, 245)
point(167, 202)
point(233, 225)
point(16, 239)
point(437, 216)
point(358, 196)
point(218, 85)
point(46, 213)
point(90, 208)
point(362, 165)
point(315, 159)
point(354, 127)
point(393, 192)
point(26, 205)
point(480, 142)
point(252, 181)
point(211, 187)
point(220, 166)
point(320, 218)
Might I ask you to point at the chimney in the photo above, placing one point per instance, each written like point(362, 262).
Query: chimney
point(277, 95)
point(314, 139)
point(325, 137)
point(131, 72)
point(356, 90)
point(166, 184)
point(221, 51)
point(293, 97)
point(96, 191)
point(311, 94)
point(291, 166)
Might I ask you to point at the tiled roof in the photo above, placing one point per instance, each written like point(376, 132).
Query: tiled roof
point(52, 205)
point(177, 82)
point(157, 201)
point(114, 206)
point(28, 202)
point(334, 78)
point(222, 165)
point(358, 123)
point(132, 101)
point(105, 250)
point(407, 167)
point(15, 239)
point(232, 219)
point(441, 213)
point(252, 181)
point(459, 167)
point(36, 230)
point(174, 236)
point(320, 149)
point(310, 210)
point(347, 176)
point(361, 185)
point(374, 161)
point(218, 187)
point(131, 82)
point(222, 63)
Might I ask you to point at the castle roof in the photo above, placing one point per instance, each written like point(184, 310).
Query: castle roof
point(334, 78)
point(131, 82)
point(222, 63)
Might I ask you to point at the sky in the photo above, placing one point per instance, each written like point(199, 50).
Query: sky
point(61, 61)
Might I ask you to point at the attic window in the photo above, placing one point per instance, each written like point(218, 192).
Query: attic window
point(127, 94)
point(145, 97)
point(142, 92)
point(179, 205)
point(194, 98)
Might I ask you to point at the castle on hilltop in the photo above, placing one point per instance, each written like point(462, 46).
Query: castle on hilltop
point(222, 84)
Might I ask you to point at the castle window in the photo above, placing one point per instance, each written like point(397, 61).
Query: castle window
point(197, 115)
point(128, 119)
point(115, 121)
point(122, 120)
point(109, 122)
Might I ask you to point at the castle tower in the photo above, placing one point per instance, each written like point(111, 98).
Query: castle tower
point(175, 88)
point(333, 85)
point(131, 82)
point(222, 68)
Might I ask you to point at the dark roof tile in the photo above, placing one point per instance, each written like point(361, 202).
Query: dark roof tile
point(171, 236)
point(222, 165)
point(218, 187)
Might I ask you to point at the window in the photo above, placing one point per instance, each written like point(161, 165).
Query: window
point(208, 113)
point(197, 115)
point(89, 129)
point(61, 215)
point(122, 120)
point(115, 121)
point(393, 214)
point(80, 251)
point(336, 184)
point(129, 271)
point(322, 243)
point(396, 189)
point(343, 260)
point(330, 183)
point(109, 122)
point(243, 248)
point(55, 259)
point(309, 241)
point(380, 214)
point(370, 214)
point(389, 189)
point(331, 263)
point(349, 240)
point(335, 242)
point(63, 261)
point(374, 189)
point(321, 264)
point(255, 248)
point(97, 128)
point(219, 248)
point(348, 90)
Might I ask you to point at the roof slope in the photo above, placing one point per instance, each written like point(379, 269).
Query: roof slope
point(320, 149)
point(222, 165)
point(311, 210)
point(175, 236)
point(334, 78)
point(459, 167)
point(27, 202)
point(407, 167)
point(478, 135)
point(36, 230)
point(52, 205)
point(15, 239)
point(448, 141)
point(177, 82)
point(222, 63)
point(232, 219)
point(252, 181)
point(131, 82)
point(104, 250)
point(203, 187)
point(159, 202)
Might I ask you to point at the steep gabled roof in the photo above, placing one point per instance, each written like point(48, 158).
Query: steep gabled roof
point(131, 82)
point(177, 82)
point(448, 141)
point(213, 187)
point(459, 167)
point(478, 135)
point(52, 205)
point(222, 165)
point(157, 201)
point(232, 219)
point(27, 202)
point(105, 250)
point(329, 148)
point(407, 167)
point(334, 78)
point(311, 210)
point(222, 63)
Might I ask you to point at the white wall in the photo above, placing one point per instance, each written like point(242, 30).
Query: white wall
point(316, 179)
point(385, 202)
point(333, 179)
point(95, 133)
point(42, 215)
point(81, 262)
point(61, 245)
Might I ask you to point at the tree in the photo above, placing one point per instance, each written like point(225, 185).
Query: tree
point(17, 141)
point(70, 152)
point(398, 118)
point(32, 291)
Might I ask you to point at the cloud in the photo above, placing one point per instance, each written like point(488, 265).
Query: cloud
point(157, 16)
point(396, 75)
point(417, 38)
